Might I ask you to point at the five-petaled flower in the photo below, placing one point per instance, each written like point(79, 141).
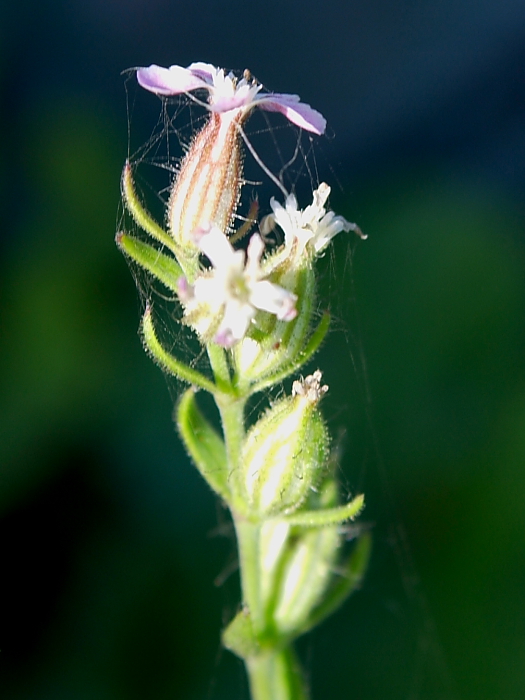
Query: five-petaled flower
point(308, 231)
point(224, 299)
point(226, 93)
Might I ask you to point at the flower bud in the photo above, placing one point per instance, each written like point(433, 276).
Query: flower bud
point(286, 451)
point(308, 569)
point(207, 189)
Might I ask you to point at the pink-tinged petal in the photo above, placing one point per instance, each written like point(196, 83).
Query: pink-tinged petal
point(226, 104)
point(224, 338)
point(227, 95)
point(278, 301)
point(185, 290)
point(205, 71)
point(299, 113)
point(169, 81)
point(235, 323)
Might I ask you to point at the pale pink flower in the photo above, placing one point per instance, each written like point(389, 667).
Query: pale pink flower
point(226, 93)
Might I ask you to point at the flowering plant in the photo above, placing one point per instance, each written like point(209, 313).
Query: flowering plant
point(253, 313)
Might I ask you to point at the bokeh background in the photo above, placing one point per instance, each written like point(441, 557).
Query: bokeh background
point(110, 541)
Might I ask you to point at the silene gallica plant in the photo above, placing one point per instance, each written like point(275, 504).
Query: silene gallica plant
point(253, 309)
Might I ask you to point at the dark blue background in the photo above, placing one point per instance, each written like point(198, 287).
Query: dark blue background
point(107, 566)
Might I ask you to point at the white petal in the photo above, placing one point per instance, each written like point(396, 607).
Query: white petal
point(210, 291)
point(321, 194)
point(216, 247)
point(235, 323)
point(278, 301)
point(253, 256)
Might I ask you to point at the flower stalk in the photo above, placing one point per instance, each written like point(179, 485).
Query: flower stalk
point(253, 313)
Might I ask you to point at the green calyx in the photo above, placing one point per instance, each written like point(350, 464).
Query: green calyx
point(284, 456)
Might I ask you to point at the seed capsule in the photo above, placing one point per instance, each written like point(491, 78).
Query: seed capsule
point(286, 451)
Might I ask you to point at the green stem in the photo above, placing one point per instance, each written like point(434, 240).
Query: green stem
point(273, 671)
point(276, 676)
point(248, 540)
point(231, 409)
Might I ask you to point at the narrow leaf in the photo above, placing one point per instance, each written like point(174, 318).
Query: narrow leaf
point(327, 516)
point(203, 443)
point(169, 363)
point(164, 268)
point(141, 216)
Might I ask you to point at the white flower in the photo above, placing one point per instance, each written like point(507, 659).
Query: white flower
point(226, 93)
point(226, 298)
point(310, 229)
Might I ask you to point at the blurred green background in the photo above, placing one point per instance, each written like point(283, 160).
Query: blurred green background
point(109, 538)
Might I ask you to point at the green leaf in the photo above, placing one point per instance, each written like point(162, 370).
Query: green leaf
point(203, 443)
point(169, 363)
point(164, 268)
point(141, 216)
point(327, 516)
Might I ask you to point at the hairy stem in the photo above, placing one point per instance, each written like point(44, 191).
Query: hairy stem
point(276, 676)
point(274, 673)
